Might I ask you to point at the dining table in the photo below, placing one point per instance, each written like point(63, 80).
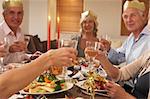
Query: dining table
point(74, 93)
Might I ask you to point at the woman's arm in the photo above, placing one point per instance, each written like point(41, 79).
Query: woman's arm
point(14, 80)
point(126, 72)
point(112, 71)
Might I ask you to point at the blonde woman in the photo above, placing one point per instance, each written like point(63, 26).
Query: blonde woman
point(89, 25)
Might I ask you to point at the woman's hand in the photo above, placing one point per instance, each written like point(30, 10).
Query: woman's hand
point(115, 91)
point(62, 56)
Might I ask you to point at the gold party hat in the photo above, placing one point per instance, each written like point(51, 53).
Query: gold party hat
point(88, 14)
point(12, 3)
point(134, 4)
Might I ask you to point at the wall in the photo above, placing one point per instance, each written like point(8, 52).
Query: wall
point(25, 23)
point(38, 18)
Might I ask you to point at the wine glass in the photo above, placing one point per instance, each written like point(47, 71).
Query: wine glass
point(3, 44)
point(91, 51)
point(67, 43)
point(105, 37)
point(26, 40)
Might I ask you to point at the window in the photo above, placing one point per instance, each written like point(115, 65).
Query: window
point(69, 13)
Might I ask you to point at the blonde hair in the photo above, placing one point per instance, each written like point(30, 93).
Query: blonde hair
point(90, 14)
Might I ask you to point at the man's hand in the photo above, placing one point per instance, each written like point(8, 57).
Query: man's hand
point(105, 45)
point(115, 91)
point(18, 46)
point(2, 51)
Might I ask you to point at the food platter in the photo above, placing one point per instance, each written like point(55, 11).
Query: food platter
point(80, 85)
point(101, 92)
point(68, 86)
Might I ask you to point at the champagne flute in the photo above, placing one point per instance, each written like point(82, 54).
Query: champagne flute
point(27, 40)
point(91, 52)
point(67, 43)
point(3, 44)
point(105, 37)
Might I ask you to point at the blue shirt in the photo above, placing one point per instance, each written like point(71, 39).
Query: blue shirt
point(131, 48)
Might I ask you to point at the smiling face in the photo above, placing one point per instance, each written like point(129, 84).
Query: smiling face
point(88, 25)
point(134, 19)
point(13, 17)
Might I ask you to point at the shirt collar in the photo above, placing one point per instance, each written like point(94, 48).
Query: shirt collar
point(145, 31)
point(7, 30)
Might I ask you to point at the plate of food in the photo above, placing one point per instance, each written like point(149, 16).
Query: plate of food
point(93, 82)
point(46, 84)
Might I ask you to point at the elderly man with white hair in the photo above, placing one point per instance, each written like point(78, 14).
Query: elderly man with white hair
point(135, 19)
point(136, 45)
point(10, 29)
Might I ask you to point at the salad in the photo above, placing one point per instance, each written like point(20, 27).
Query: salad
point(45, 83)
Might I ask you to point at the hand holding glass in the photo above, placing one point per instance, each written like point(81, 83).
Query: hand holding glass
point(91, 51)
point(67, 43)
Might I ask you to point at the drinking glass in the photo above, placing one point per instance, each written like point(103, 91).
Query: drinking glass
point(67, 43)
point(106, 37)
point(91, 52)
point(3, 44)
point(27, 40)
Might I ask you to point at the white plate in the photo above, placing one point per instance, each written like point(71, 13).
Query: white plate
point(68, 84)
point(80, 85)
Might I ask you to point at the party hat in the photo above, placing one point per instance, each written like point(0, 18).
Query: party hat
point(134, 4)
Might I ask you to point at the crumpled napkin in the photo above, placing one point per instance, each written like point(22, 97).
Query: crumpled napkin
point(78, 75)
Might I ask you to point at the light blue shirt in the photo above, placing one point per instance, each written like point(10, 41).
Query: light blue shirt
point(131, 48)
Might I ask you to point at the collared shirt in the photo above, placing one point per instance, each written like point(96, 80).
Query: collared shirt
point(131, 48)
point(5, 31)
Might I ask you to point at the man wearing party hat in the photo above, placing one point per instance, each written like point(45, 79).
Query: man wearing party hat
point(136, 45)
point(10, 28)
point(138, 42)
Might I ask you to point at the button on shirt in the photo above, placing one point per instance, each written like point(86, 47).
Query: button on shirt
point(5, 31)
point(131, 48)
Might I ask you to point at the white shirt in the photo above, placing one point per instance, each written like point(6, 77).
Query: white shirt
point(131, 48)
point(5, 31)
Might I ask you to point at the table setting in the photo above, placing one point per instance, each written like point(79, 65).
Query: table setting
point(72, 87)
point(84, 79)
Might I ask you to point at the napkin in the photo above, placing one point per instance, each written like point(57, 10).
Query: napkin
point(79, 76)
